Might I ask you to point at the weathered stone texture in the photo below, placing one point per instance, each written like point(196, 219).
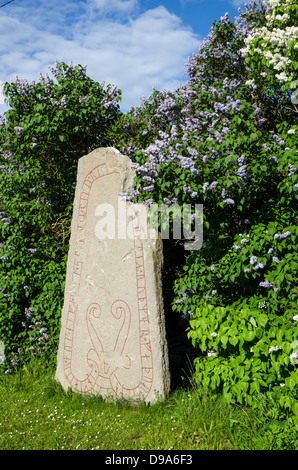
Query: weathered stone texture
point(113, 339)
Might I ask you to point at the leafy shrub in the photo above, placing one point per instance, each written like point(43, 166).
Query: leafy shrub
point(49, 126)
point(228, 140)
point(248, 353)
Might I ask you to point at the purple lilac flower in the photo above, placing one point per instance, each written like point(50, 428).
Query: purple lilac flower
point(253, 260)
point(184, 296)
point(279, 236)
point(229, 201)
point(275, 259)
point(268, 149)
point(63, 103)
point(258, 266)
point(266, 284)
point(261, 121)
point(205, 187)
point(166, 200)
point(278, 141)
point(292, 169)
point(213, 185)
point(2, 359)
point(270, 251)
point(273, 160)
point(28, 313)
point(240, 160)
point(148, 188)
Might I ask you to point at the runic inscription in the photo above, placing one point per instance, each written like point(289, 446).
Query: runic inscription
point(112, 339)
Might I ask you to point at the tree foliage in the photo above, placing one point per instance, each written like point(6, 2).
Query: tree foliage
point(48, 127)
point(228, 139)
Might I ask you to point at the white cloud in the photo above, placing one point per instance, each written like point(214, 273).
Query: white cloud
point(136, 53)
point(115, 6)
point(238, 3)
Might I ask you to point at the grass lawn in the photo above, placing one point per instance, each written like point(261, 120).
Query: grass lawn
point(36, 414)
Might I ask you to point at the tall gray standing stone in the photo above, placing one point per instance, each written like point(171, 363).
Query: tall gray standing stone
point(112, 339)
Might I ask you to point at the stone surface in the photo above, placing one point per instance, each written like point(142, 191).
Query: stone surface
point(113, 338)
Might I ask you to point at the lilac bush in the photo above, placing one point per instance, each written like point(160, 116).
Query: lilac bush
point(49, 126)
point(227, 140)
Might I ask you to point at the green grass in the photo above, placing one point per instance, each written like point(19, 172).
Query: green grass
point(35, 414)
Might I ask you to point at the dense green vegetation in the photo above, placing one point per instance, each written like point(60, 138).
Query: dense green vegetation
point(227, 140)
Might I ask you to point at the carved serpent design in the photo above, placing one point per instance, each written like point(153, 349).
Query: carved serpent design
point(103, 365)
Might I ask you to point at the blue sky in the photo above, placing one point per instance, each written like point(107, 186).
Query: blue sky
point(134, 44)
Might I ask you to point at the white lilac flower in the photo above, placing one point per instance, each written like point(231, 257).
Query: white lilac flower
point(214, 334)
point(275, 259)
point(253, 259)
point(211, 353)
point(295, 317)
point(294, 356)
point(274, 348)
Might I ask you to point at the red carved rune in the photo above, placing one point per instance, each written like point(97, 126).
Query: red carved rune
point(102, 375)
